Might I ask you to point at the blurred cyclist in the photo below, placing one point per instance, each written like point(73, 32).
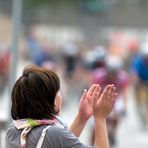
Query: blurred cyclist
point(95, 58)
point(4, 66)
point(70, 57)
point(140, 82)
point(112, 73)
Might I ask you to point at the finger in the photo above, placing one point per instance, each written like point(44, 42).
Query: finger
point(112, 87)
point(106, 95)
point(92, 89)
point(111, 100)
point(111, 92)
point(97, 95)
point(98, 91)
point(114, 97)
point(95, 98)
point(106, 90)
point(84, 94)
point(97, 88)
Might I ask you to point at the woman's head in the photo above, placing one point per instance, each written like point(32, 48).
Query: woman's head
point(33, 95)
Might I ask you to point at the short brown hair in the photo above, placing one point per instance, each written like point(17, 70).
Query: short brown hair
point(33, 94)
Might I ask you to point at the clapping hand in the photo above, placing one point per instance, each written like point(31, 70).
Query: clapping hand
point(103, 104)
point(86, 101)
point(94, 103)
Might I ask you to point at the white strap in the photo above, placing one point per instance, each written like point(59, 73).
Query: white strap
point(40, 142)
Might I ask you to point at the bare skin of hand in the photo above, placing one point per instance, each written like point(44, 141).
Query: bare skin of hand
point(102, 105)
point(85, 108)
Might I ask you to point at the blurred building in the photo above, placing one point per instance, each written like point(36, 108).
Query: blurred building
point(89, 16)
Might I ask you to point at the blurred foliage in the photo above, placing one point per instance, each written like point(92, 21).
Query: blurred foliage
point(95, 5)
point(91, 6)
point(31, 7)
point(38, 3)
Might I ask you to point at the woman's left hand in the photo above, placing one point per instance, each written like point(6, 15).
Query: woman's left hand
point(85, 107)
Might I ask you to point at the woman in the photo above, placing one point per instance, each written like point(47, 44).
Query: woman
point(36, 102)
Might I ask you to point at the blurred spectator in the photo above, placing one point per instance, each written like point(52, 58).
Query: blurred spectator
point(70, 55)
point(5, 58)
point(36, 51)
point(139, 69)
point(95, 58)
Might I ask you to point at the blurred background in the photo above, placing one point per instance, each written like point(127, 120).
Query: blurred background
point(85, 42)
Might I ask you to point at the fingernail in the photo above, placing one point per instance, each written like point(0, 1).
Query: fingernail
point(85, 90)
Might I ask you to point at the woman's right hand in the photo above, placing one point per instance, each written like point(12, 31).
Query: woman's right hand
point(103, 104)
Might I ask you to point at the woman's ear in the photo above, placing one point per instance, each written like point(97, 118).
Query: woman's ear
point(55, 104)
point(58, 101)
